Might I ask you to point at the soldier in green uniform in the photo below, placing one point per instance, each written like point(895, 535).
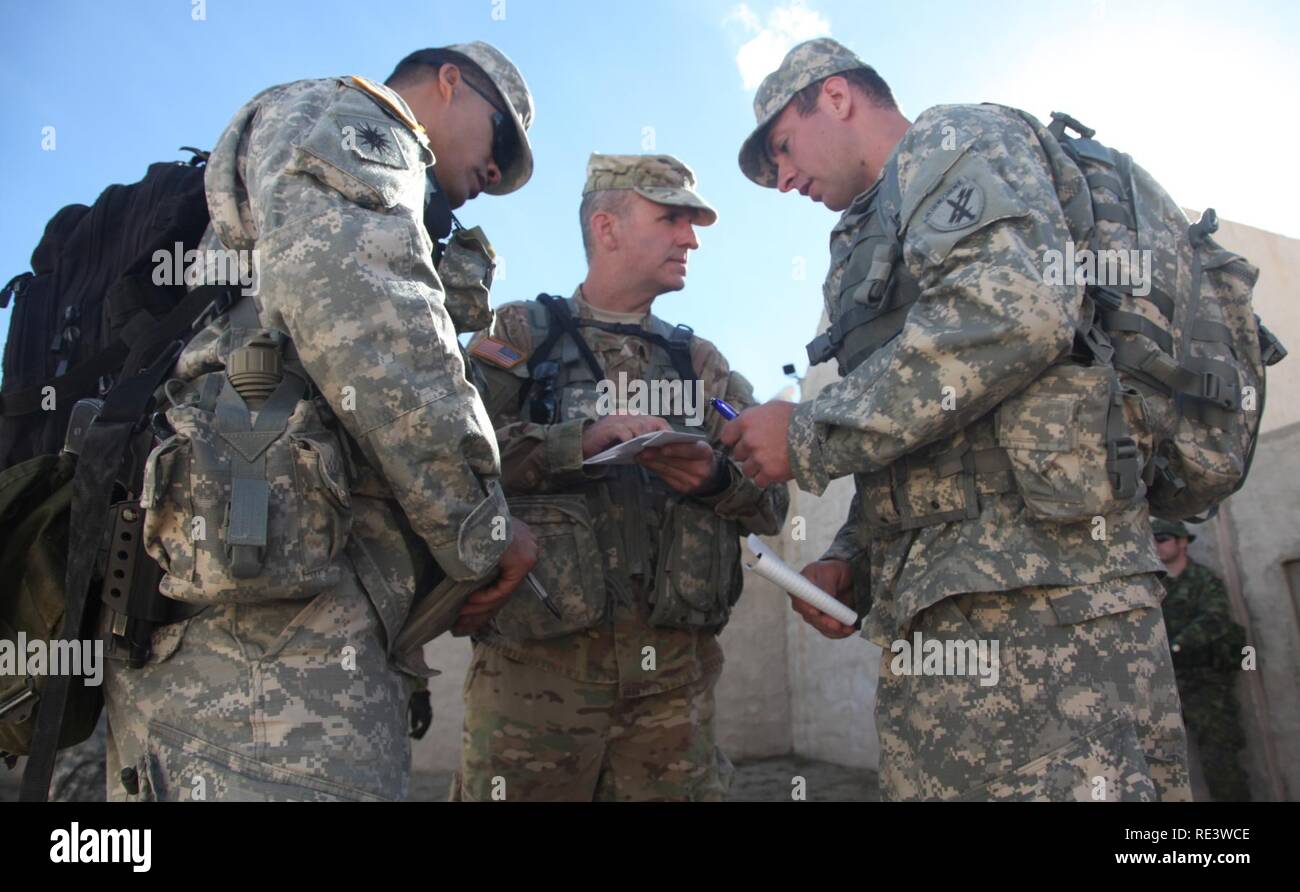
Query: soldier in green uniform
point(985, 508)
point(1206, 645)
point(612, 699)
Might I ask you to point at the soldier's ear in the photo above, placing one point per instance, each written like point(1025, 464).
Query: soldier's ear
point(604, 230)
point(448, 80)
point(837, 97)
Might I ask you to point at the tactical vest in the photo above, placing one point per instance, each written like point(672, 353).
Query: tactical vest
point(625, 532)
point(1093, 467)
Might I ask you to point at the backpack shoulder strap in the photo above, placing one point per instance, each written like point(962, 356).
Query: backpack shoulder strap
point(562, 323)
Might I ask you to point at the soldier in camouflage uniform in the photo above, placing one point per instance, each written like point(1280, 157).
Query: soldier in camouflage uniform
point(330, 461)
point(977, 444)
point(612, 699)
point(1206, 644)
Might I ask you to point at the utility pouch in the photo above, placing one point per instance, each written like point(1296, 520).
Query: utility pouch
point(698, 578)
point(466, 272)
point(569, 567)
point(1077, 443)
point(245, 506)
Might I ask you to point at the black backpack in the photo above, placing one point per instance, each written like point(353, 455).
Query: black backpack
point(91, 337)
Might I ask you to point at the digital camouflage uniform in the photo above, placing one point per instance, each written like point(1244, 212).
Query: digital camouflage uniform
point(569, 709)
point(1206, 644)
point(289, 683)
point(958, 462)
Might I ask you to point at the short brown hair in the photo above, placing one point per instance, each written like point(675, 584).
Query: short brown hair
point(864, 78)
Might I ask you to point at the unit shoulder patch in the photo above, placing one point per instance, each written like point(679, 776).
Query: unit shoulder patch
point(371, 139)
point(497, 352)
point(960, 207)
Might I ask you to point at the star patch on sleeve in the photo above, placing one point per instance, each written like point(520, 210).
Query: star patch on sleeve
point(958, 208)
point(498, 353)
point(371, 140)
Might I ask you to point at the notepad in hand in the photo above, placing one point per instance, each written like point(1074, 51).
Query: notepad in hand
point(625, 453)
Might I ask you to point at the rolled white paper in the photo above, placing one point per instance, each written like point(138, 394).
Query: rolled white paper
point(775, 570)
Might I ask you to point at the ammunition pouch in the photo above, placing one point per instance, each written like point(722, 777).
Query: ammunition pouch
point(930, 487)
point(698, 577)
point(569, 567)
point(238, 511)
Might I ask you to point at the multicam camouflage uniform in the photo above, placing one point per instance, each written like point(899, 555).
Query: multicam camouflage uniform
point(572, 709)
point(283, 686)
point(1206, 645)
point(982, 506)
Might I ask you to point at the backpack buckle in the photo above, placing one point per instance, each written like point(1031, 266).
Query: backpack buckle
point(1212, 389)
point(1061, 122)
point(1123, 464)
point(821, 348)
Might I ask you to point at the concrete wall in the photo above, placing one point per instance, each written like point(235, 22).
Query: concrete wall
point(1257, 532)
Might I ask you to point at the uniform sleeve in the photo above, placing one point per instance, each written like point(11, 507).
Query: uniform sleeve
point(845, 545)
point(979, 211)
point(757, 509)
point(535, 458)
point(334, 190)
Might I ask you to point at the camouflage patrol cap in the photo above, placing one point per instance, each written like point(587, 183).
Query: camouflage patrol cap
point(661, 178)
point(1170, 528)
point(519, 103)
point(806, 64)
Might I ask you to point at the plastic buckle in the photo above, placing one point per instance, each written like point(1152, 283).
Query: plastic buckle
point(1123, 461)
point(1103, 351)
point(820, 349)
point(1108, 298)
point(1061, 121)
point(1211, 387)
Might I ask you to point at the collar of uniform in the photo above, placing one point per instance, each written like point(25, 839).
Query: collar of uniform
point(391, 103)
point(863, 198)
point(607, 315)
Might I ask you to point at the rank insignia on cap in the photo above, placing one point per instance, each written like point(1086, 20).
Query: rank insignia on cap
point(499, 353)
point(371, 139)
point(958, 208)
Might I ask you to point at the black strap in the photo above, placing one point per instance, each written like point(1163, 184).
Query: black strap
point(1119, 321)
point(92, 491)
point(678, 347)
point(559, 311)
point(83, 379)
point(1114, 213)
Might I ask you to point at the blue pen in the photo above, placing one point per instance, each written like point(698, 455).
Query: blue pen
point(724, 408)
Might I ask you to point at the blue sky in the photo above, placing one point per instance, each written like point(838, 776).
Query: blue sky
point(1202, 94)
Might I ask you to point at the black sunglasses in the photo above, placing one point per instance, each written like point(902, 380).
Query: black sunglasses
point(1164, 537)
point(505, 143)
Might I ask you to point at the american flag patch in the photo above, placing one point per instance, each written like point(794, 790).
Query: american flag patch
point(499, 353)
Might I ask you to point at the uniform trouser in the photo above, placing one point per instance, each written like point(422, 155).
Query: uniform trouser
point(1080, 711)
point(1214, 722)
point(285, 700)
point(533, 735)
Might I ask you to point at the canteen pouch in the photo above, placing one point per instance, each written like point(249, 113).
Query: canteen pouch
point(1069, 441)
point(466, 269)
point(569, 567)
point(698, 578)
point(245, 516)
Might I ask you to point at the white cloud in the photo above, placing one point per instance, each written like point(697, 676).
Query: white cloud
point(785, 26)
